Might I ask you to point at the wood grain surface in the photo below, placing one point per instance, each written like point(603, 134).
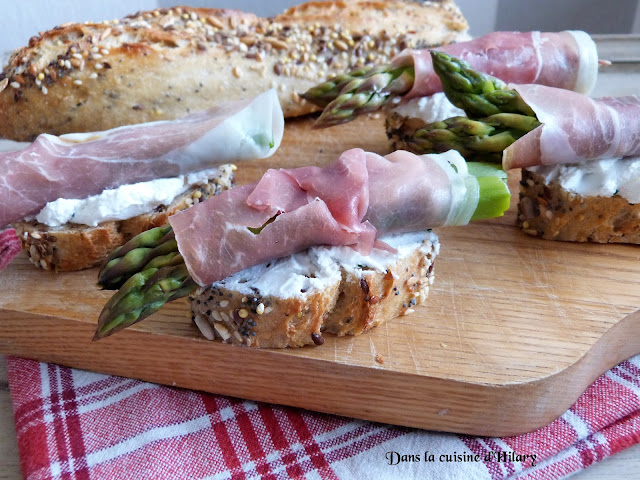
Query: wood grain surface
point(514, 329)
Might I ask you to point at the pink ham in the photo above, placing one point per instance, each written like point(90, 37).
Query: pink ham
point(565, 59)
point(81, 165)
point(361, 197)
point(575, 128)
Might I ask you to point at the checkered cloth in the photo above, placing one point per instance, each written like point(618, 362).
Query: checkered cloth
point(73, 424)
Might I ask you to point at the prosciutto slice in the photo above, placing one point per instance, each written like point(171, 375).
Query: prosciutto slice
point(80, 165)
point(575, 128)
point(566, 59)
point(352, 202)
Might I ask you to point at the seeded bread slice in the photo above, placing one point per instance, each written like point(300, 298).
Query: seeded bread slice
point(291, 302)
point(162, 64)
point(75, 247)
point(549, 211)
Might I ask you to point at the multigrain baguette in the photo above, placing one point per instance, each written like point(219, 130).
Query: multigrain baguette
point(316, 295)
point(165, 63)
point(548, 210)
point(75, 247)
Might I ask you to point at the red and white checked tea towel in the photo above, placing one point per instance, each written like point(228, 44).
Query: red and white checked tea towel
point(73, 424)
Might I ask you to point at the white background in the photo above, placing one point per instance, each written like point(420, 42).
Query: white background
point(21, 19)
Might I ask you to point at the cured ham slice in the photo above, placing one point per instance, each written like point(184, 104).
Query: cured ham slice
point(80, 165)
point(575, 128)
point(566, 59)
point(351, 203)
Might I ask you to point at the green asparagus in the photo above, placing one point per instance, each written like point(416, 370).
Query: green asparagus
point(360, 91)
point(157, 244)
point(346, 96)
point(476, 140)
point(478, 94)
point(143, 294)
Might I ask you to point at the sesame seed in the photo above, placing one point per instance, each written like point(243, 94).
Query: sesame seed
point(41, 76)
point(61, 63)
point(67, 64)
point(98, 66)
point(185, 16)
point(15, 84)
point(77, 55)
point(44, 90)
point(77, 82)
point(104, 51)
point(93, 75)
point(224, 303)
point(236, 72)
point(38, 82)
point(96, 56)
point(95, 49)
point(260, 308)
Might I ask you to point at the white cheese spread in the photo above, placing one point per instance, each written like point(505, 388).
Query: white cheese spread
point(126, 201)
point(317, 268)
point(430, 109)
point(616, 176)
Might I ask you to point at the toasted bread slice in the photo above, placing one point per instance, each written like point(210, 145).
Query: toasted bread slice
point(75, 247)
point(548, 210)
point(291, 302)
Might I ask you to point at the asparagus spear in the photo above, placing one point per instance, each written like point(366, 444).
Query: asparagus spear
point(147, 282)
point(143, 294)
point(360, 91)
point(476, 140)
point(478, 94)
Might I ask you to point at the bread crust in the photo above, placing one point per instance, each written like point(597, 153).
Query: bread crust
point(551, 212)
point(165, 63)
point(353, 304)
point(73, 247)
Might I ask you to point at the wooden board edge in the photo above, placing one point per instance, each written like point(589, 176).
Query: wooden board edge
point(366, 393)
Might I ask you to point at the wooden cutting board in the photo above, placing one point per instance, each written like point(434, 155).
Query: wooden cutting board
point(514, 329)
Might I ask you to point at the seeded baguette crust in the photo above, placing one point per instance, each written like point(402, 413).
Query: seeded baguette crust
point(165, 63)
point(551, 212)
point(73, 247)
point(353, 304)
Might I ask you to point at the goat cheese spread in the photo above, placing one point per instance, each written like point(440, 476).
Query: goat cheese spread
point(317, 268)
point(615, 176)
point(430, 109)
point(126, 201)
